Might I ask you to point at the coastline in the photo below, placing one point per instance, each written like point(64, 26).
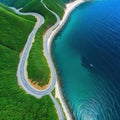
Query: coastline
point(58, 92)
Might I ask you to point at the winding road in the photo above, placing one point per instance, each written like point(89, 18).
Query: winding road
point(21, 72)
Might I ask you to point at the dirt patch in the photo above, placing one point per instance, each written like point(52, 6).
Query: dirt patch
point(35, 85)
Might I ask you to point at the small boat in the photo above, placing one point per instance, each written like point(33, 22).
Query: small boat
point(92, 65)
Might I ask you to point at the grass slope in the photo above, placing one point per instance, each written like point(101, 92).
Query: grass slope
point(14, 42)
point(38, 69)
point(15, 104)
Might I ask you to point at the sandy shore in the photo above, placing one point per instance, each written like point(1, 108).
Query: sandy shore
point(58, 93)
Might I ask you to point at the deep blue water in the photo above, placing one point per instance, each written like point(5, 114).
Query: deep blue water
point(87, 56)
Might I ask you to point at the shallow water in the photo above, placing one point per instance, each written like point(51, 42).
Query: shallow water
point(87, 56)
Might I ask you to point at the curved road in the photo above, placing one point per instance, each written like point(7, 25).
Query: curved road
point(21, 73)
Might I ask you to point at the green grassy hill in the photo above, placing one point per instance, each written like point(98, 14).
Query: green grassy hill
point(15, 104)
point(15, 42)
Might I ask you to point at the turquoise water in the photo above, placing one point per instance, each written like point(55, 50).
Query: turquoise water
point(86, 53)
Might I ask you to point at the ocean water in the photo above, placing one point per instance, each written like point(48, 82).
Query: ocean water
point(86, 53)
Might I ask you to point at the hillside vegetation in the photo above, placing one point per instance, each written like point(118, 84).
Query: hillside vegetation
point(15, 104)
point(14, 42)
